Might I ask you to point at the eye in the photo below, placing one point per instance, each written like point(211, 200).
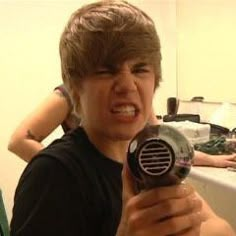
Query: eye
point(105, 71)
point(141, 70)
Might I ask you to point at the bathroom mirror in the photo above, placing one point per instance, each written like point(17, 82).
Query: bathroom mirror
point(206, 50)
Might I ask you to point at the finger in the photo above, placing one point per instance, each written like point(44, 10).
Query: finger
point(234, 156)
point(187, 225)
point(168, 208)
point(230, 157)
point(156, 195)
point(230, 164)
point(190, 232)
point(128, 183)
point(128, 192)
point(178, 224)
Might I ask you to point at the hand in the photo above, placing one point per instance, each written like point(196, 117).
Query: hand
point(224, 160)
point(204, 159)
point(162, 211)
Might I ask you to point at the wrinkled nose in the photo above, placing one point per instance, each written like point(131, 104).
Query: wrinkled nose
point(125, 82)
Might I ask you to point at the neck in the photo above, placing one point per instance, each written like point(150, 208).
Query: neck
point(117, 151)
point(113, 149)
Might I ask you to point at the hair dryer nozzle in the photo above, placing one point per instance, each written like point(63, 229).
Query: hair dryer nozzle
point(158, 156)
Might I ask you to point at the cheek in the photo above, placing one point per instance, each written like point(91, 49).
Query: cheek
point(148, 95)
point(148, 90)
point(93, 100)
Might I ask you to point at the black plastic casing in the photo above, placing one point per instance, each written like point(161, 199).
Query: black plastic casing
point(159, 155)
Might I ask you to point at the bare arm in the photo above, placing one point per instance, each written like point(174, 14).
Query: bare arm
point(26, 139)
point(204, 159)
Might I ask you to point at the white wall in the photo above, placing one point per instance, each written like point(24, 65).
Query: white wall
point(30, 69)
point(223, 114)
point(206, 49)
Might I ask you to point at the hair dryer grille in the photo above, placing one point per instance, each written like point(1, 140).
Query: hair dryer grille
point(155, 157)
point(159, 155)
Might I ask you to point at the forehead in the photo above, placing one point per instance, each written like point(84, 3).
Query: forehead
point(139, 61)
point(130, 63)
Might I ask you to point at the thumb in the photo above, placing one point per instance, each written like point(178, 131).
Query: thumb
point(129, 186)
point(128, 192)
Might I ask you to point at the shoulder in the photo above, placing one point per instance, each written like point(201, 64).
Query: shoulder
point(50, 187)
point(62, 91)
point(67, 154)
point(43, 170)
point(54, 170)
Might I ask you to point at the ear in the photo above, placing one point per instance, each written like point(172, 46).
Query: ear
point(75, 94)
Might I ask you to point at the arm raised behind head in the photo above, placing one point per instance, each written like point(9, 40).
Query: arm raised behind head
point(26, 139)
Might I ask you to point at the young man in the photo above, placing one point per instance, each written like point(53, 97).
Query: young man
point(111, 63)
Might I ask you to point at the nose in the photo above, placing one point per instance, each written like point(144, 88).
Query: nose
point(125, 82)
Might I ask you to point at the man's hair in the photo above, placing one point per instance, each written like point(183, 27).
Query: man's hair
point(107, 33)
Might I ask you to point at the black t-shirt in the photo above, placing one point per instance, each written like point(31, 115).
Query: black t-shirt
point(68, 189)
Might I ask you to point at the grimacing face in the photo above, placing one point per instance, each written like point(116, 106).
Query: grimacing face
point(115, 103)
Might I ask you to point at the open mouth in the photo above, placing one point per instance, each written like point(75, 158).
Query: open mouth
point(125, 110)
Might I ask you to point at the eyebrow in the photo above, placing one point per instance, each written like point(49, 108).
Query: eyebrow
point(141, 64)
point(108, 66)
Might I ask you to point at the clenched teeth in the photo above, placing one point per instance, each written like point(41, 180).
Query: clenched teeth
point(125, 110)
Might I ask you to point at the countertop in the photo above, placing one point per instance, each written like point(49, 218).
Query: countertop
point(218, 187)
point(217, 176)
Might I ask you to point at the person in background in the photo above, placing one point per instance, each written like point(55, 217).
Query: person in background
point(56, 110)
point(80, 184)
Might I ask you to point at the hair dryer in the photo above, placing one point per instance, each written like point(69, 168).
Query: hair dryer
point(159, 155)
